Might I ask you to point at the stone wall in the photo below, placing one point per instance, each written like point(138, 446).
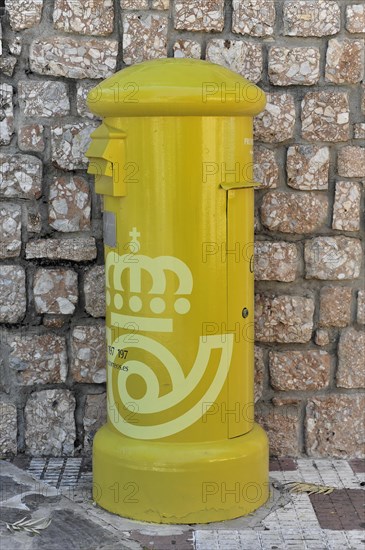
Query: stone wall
point(310, 307)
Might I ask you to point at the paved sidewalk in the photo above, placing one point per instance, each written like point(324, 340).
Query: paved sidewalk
point(60, 489)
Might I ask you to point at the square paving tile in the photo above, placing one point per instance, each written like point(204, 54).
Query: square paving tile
point(341, 510)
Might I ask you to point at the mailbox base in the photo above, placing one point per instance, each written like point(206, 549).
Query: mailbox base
point(180, 482)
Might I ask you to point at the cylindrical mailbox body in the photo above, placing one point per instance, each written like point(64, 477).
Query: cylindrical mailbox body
point(173, 159)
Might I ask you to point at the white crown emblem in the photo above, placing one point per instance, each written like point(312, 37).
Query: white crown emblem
point(135, 264)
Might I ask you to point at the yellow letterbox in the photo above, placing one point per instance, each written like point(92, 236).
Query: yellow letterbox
point(173, 160)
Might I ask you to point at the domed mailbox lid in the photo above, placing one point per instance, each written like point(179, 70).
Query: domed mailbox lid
point(176, 87)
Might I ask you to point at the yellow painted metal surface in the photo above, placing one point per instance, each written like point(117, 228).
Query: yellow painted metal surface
point(174, 165)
